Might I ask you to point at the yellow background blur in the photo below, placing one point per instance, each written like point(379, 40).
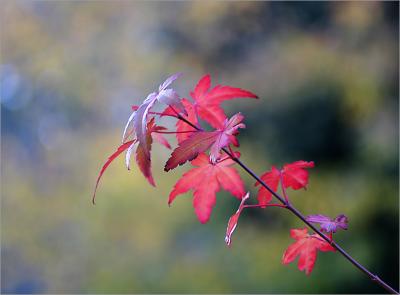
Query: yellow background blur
point(327, 76)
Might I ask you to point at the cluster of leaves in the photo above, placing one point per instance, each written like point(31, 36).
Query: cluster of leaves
point(212, 156)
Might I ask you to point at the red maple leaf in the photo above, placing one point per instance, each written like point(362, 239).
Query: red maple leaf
point(207, 101)
point(200, 141)
point(293, 175)
point(206, 180)
point(306, 247)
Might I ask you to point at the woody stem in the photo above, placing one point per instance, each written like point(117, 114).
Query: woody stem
point(297, 213)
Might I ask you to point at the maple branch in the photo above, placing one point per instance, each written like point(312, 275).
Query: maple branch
point(296, 212)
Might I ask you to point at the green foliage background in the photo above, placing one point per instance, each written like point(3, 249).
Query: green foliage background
point(327, 75)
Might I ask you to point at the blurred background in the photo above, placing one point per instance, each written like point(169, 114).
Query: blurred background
point(327, 75)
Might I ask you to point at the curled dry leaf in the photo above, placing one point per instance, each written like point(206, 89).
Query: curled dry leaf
point(232, 222)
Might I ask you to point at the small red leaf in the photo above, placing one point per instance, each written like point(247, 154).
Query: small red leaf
point(271, 178)
point(295, 175)
point(207, 101)
point(205, 180)
point(306, 247)
point(111, 158)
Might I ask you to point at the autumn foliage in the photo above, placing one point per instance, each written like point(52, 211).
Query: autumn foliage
point(212, 157)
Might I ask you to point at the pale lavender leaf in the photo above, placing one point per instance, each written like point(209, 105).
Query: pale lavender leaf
point(318, 218)
point(327, 224)
point(140, 120)
point(128, 155)
point(171, 98)
point(125, 135)
point(342, 221)
point(168, 81)
point(226, 136)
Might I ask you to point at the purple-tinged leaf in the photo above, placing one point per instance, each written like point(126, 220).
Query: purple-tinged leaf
point(171, 98)
point(140, 120)
point(168, 96)
point(226, 136)
point(169, 81)
point(342, 221)
point(327, 224)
